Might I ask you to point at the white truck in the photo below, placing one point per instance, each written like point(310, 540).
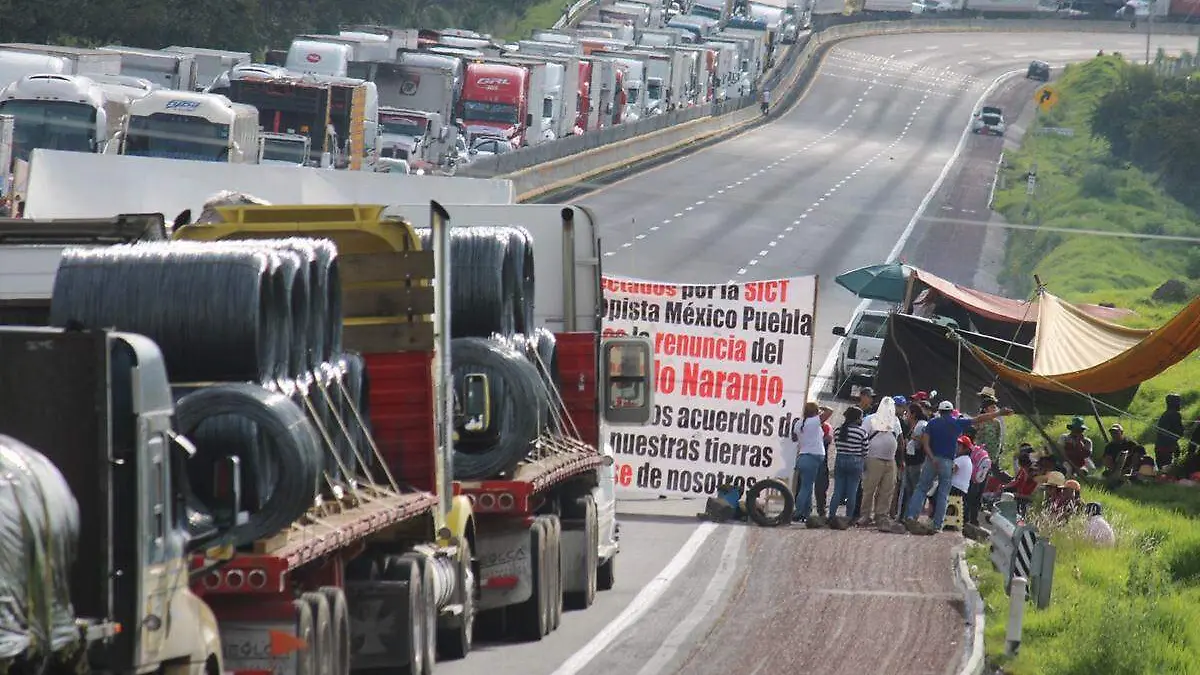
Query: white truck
point(211, 63)
point(76, 60)
point(858, 355)
point(415, 136)
point(545, 94)
point(173, 70)
point(191, 125)
point(665, 78)
point(64, 112)
point(279, 147)
point(15, 65)
point(634, 73)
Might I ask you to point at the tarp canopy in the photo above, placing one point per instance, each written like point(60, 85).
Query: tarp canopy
point(1074, 351)
point(920, 355)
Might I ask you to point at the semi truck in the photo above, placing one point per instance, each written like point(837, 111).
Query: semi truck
point(633, 73)
point(172, 70)
point(513, 546)
point(284, 148)
point(191, 125)
point(211, 63)
point(289, 105)
point(15, 65)
point(78, 60)
point(64, 112)
point(417, 137)
point(102, 568)
point(495, 102)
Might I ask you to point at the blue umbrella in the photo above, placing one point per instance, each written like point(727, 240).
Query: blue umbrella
point(886, 281)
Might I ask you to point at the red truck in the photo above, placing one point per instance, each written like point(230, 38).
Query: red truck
point(495, 101)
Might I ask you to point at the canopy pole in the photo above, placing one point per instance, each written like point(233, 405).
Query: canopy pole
point(909, 285)
point(958, 376)
point(1100, 422)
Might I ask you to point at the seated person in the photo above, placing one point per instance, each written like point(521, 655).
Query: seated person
point(1024, 484)
point(1065, 502)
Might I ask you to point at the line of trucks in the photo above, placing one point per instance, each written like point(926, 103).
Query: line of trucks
point(385, 99)
point(392, 564)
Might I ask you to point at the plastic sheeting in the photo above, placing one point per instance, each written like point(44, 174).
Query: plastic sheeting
point(919, 355)
point(39, 534)
point(1076, 352)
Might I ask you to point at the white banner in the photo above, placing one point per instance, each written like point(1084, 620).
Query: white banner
point(731, 370)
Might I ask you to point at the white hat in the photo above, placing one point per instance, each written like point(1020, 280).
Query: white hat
point(946, 405)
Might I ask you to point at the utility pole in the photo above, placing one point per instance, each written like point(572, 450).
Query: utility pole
point(1149, 28)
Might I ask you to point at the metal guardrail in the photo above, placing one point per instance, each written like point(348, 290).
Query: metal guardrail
point(574, 13)
point(1018, 551)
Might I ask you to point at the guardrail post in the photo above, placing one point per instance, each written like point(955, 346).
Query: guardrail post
point(1044, 555)
point(1016, 616)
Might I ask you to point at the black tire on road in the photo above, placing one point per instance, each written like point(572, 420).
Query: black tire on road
point(761, 518)
point(530, 616)
point(339, 618)
point(606, 574)
point(322, 644)
point(430, 616)
point(306, 663)
point(586, 506)
point(556, 577)
point(398, 568)
point(455, 641)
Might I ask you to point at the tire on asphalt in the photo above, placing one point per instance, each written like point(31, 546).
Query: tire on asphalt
point(322, 645)
point(455, 639)
point(429, 616)
point(606, 574)
point(529, 617)
point(398, 568)
point(586, 506)
point(339, 618)
point(556, 574)
point(305, 658)
point(761, 518)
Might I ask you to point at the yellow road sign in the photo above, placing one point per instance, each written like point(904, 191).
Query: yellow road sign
point(1046, 97)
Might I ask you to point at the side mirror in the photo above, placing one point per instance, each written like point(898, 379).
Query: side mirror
point(628, 380)
point(528, 120)
point(839, 330)
point(443, 133)
point(477, 403)
point(227, 492)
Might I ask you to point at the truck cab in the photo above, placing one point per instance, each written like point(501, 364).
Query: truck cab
point(495, 101)
point(858, 355)
point(284, 148)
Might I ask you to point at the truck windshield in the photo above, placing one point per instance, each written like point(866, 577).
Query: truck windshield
point(177, 137)
point(402, 126)
point(290, 150)
point(654, 91)
point(52, 125)
point(478, 111)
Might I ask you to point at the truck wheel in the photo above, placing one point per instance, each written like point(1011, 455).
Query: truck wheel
point(547, 578)
point(429, 616)
point(591, 535)
point(306, 662)
point(322, 631)
point(530, 616)
point(556, 584)
point(398, 568)
point(606, 574)
point(339, 619)
point(454, 641)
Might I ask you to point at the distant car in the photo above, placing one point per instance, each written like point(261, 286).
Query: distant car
point(490, 145)
point(1038, 70)
point(858, 355)
point(989, 121)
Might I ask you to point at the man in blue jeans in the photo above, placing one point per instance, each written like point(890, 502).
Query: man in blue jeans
point(940, 442)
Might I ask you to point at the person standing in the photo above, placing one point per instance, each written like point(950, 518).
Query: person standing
point(883, 435)
point(914, 456)
point(1170, 430)
point(960, 474)
point(981, 468)
point(990, 434)
point(850, 440)
point(940, 443)
point(822, 486)
point(807, 440)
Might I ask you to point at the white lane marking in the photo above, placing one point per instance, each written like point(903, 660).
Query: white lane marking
point(821, 379)
point(640, 236)
point(678, 215)
point(642, 602)
point(742, 271)
point(610, 254)
point(666, 221)
point(707, 604)
point(654, 228)
point(627, 244)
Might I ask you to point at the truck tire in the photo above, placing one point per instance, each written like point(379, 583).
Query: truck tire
point(322, 645)
point(306, 662)
point(606, 574)
point(339, 619)
point(556, 584)
point(429, 616)
point(757, 515)
point(530, 616)
point(454, 641)
point(586, 506)
point(398, 568)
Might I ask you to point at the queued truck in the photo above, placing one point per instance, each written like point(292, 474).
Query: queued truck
point(191, 125)
point(495, 102)
point(545, 94)
point(633, 74)
point(212, 63)
point(74, 60)
point(167, 69)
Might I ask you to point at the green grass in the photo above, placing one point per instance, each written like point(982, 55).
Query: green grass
point(1130, 610)
point(1136, 608)
point(539, 16)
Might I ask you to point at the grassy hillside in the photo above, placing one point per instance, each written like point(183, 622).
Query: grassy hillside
point(1134, 609)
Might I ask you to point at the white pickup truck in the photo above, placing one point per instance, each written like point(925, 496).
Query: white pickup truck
point(858, 355)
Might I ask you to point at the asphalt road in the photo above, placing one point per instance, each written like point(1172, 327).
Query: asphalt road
point(832, 184)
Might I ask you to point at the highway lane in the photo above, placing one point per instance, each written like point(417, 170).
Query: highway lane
point(763, 600)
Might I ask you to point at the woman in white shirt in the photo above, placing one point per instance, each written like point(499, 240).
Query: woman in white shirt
point(807, 440)
point(960, 479)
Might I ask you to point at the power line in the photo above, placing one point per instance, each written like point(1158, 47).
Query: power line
point(1065, 230)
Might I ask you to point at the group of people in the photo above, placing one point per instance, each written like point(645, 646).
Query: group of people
point(903, 447)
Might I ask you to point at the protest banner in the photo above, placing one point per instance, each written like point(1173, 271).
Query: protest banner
point(731, 371)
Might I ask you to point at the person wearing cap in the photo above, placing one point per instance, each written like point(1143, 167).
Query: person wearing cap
point(1118, 451)
point(1097, 528)
point(960, 474)
point(866, 401)
point(1170, 430)
point(990, 434)
point(1076, 447)
point(940, 443)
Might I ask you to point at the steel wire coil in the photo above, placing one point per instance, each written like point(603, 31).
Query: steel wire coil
point(356, 386)
point(492, 279)
point(289, 440)
point(213, 310)
point(518, 404)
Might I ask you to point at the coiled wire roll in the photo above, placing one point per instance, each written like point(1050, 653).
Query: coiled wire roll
point(212, 309)
point(356, 386)
point(519, 407)
point(290, 441)
point(487, 291)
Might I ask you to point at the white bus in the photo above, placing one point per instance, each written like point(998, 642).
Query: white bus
point(63, 112)
point(191, 125)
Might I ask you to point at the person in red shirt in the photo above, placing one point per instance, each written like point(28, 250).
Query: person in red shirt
point(1023, 485)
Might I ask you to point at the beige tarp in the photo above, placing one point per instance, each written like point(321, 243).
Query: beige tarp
point(1001, 308)
point(1077, 352)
